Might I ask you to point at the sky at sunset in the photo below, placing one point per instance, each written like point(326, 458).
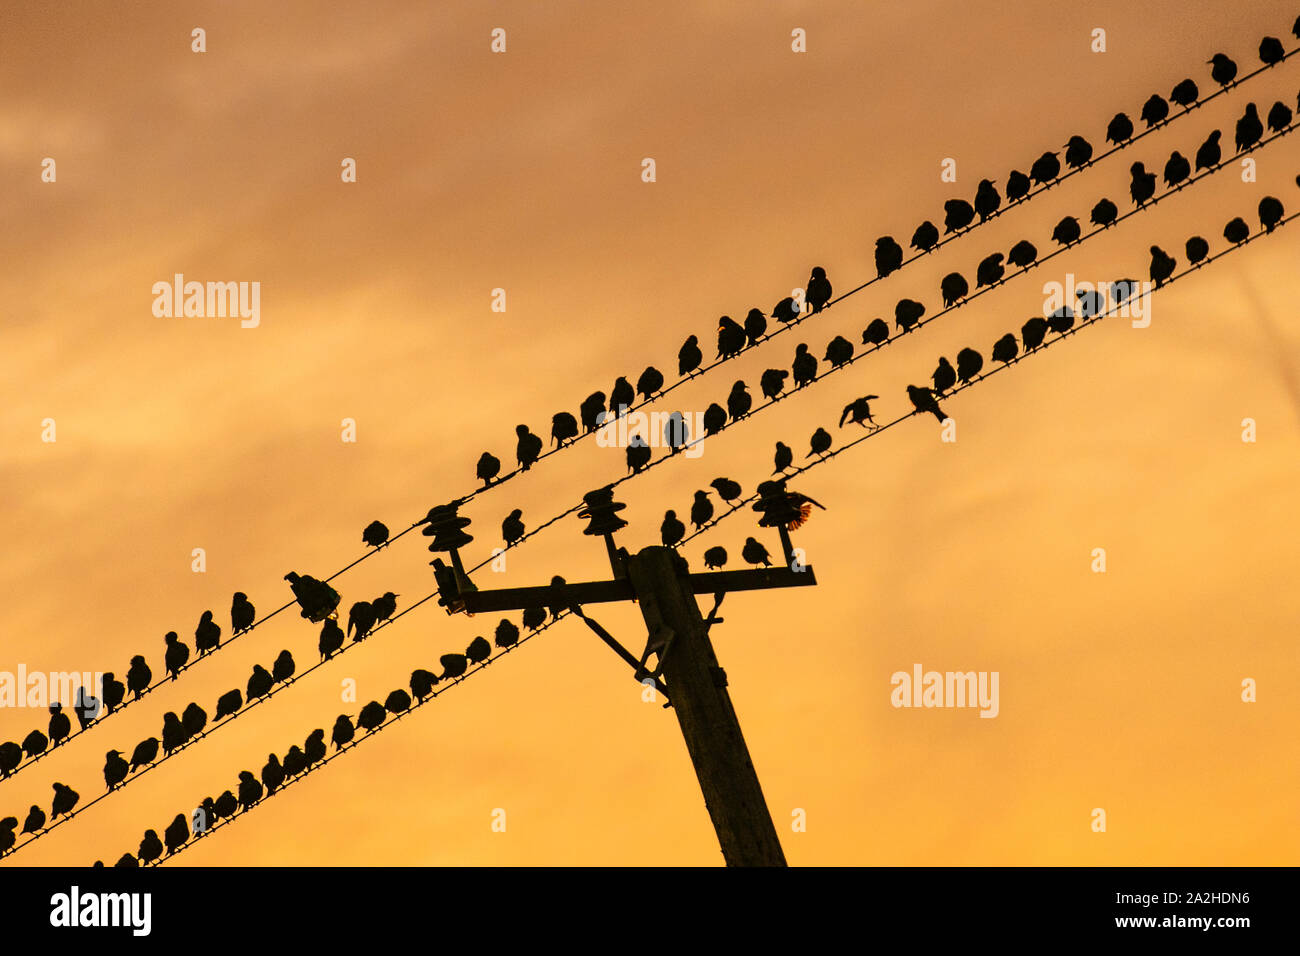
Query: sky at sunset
point(522, 171)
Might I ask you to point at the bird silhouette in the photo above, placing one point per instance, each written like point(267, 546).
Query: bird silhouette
point(331, 639)
point(783, 458)
point(225, 805)
point(478, 651)
point(924, 401)
point(839, 351)
point(957, 215)
point(1295, 30)
point(250, 790)
point(1124, 289)
point(1045, 169)
point(671, 531)
point(529, 446)
point(534, 617)
point(176, 654)
point(1185, 94)
point(489, 466)
point(1143, 184)
point(1023, 254)
point(1177, 169)
point(506, 634)
point(990, 270)
point(755, 326)
point(343, 732)
point(1162, 265)
point(384, 606)
point(715, 419)
point(1155, 110)
point(228, 703)
point(126, 861)
point(138, 676)
point(259, 683)
point(35, 821)
point(361, 619)
point(1270, 212)
point(650, 382)
point(858, 411)
point(1271, 51)
point(1005, 349)
point(564, 428)
point(731, 337)
point(1279, 117)
point(715, 557)
point(876, 332)
point(755, 553)
point(272, 774)
point(422, 683)
point(11, 755)
point(804, 367)
point(1249, 128)
point(638, 452)
point(953, 288)
point(59, 726)
point(944, 377)
point(987, 200)
point(1209, 153)
point(926, 236)
point(177, 833)
point(314, 748)
point(689, 358)
point(701, 509)
point(677, 432)
point(727, 489)
point(283, 667)
point(818, 293)
point(969, 363)
point(785, 311)
point(242, 612)
point(772, 382)
point(113, 691)
point(1090, 304)
point(1236, 231)
point(1078, 152)
point(1196, 249)
point(375, 534)
point(207, 637)
point(86, 707)
point(1018, 186)
point(1061, 321)
point(453, 665)
point(1067, 231)
point(1120, 129)
point(151, 847)
point(907, 313)
point(173, 734)
point(739, 401)
point(621, 396)
point(820, 443)
point(889, 256)
point(1104, 213)
point(592, 410)
point(512, 528)
point(115, 769)
point(65, 798)
point(1033, 332)
point(398, 701)
point(193, 719)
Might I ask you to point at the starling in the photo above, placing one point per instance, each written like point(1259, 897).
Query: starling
point(176, 654)
point(1279, 117)
point(1209, 153)
point(953, 288)
point(772, 382)
point(755, 553)
point(1236, 231)
point(785, 311)
point(671, 531)
point(990, 270)
point(638, 454)
point(331, 639)
point(512, 528)
point(715, 558)
point(621, 396)
point(115, 769)
point(907, 313)
point(1295, 30)
point(207, 637)
point(784, 457)
point(1120, 129)
point(250, 791)
point(113, 691)
point(151, 847)
point(1249, 128)
point(228, 703)
point(283, 667)
point(487, 469)
point(399, 701)
point(1045, 169)
point(422, 682)
point(1270, 214)
point(1023, 254)
point(1162, 265)
point(1078, 152)
point(1177, 169)
point(727, 489)
point(804, 366)
point(926, 236)
point(453, 665)
point(1091, 304)
point(818, 293)
point(1185, 94)
point(1018, 186)
point(343, 732)
point(529, 447)
point(677, 433)
point(1143, 184)
point(193, 719)
point(173, 734)
point(479, 650)
point(1067, 231)
point(731, 337)
point(987, 200)
point(715, 419)
point(1197, 249)
point(858, 411)
point(564, 428)
point(739, 401)
point(534, 618)
point(375, 535)
point(177, 833)
point(273, 773)
point(242, 612)
point(1005, 349)
point(839, 351)
point(295, 761)
point(361, 618)
point(506, 634)
point(889, 256)
point(820, 443)
point(876, 333)
point(259, 683)
point(1033, 332)
point(944, 377)
point(11, 755)
point(1061, 321)
point(225, 805)
point(314, 748)
point(924, 401)
point(126, 861)
point(701, 509)
point(35, 821)
point(957, 215)
point(35, 744)
point(1104, 213)
point(969, 363)
point(65, 798)
point(138, 675)
point(1271, 52)
point(689, 358)
point(1155, 110)
point(592, 409)
point(755, 326)
point(60, 726)
point(372, 715)
point(86, 708)
point(650, 382)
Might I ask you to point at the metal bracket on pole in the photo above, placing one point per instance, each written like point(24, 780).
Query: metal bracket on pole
point(624, 653)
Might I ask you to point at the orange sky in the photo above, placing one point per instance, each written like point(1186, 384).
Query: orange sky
point(522, 170)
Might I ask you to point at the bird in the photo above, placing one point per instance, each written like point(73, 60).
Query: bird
point(228, 703)
point(35, 743)
point(1236, 231)
point(1196, 249)
point(1091, 303)
point(86, 708)
point(112, 690)
point(1209, 153)
point(1120, 129)
point(361, 618)
point(755, 553)
point(151, 847)
point(772, 382)
point(1045, 169)
point(1061, 321)
point(1270, 214)
point(193, 719)
point(701, 509)
point(1185, 94)
point(731, 337)
point(638, 453)
point(272, 774)
point(689, 358)
point(115, 769)
point(926, 236)
point(259, 683)
point(650, 382)
point(138, 676)
point(534, 618)
point(314, 748)
point(990, 270)
point(621, 396)
point(1104, 213)
point(820, 443)
point(783, 458)
point(739, 401)
point(944, 377)
point(1155, 110)
point(512, 528)
point(969, 363)
point(987, 200)
point(1295, 30)
point(1162, 265)
point(1279, 117)
point(1143, 184)
point(11, 755)
point(1018, 186)
point(1271, 51)
point(225, 805)
point(207, 637)
point(479, 650)
point(65, 798)
point(1023, 254)
point(677, 433)
point(671, 531)
point(453, 665)
point(858, 411)
point(804, 367)
point(7, 838)
point(889, 256)
point(715, 419)
point(177, 833)
point(1067, 231)
point(924, 401)
point(422, 682)
point(506, 634)
point(957, 215)
point(1033, 332)
point(343, 731)
point(592, 411)
point(250, 791)
point(785, 311)
point(1249, 128)
point(727, 489)
point(488, 467)
point(1078, 152)
point(331, 639)
point(1177, 169)
point(126, 861)
point(384, 607)
point(528, 448)
point(907, 313)
point(398, 701)
point(173, 734)
point(1224, 70)
point(242, 612)
point(176, 654)
point(375, 535)
point(60, 726)
point(283, 667)
point(839, 351)
point(818, 293)
point(715, 557)
point(1005, 349)
point(564, 428)
point(35, 821)
point(876, 332)
point(755, 326)
point(953, 288)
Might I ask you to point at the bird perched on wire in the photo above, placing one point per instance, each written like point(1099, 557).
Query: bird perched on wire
point(924, 401)
point(331, 639)
point(528, 448)
point(11, 755)
point(804, 366)
point(177, 833)
point(1045, 169)
point(375, 534)
point(701, 509)
point(1236, 231)
point(785, 311)
point(479, 650)
point(1067, 231)
point(506, 634)
point(858, 411)
point(176, 654)
point(1120, 129)
point(1061, 321)
point(731, 337)
point(207, 636)
point(1249, 128)
point(1197, 249)
point(138, 676)
point(755, 553)
point(944, 377)
point(1104, 213)
point(1271, 51)
point(316, 598)
point(1018, 186)
point(958, 214)
point(621, 396)
point(1005, 349)
point(398, 701)
point(650, 382)
point(969, 363)
point(453, 665)
point(953, 288)
point(1155, 110)
point(639, 453)
point(889, 256)
point(35, 744)
point(145, 753)
point(512, 528)
point(259, 683)
point(272, 774)
point(689, 358)
point(990, 270)
point(671, 531)
point(250, 790)
point(151, 847)
point(422, 683)
point(115, 769)
point(1185, 93)
point(739, 401)
point(783, 458)
point(755, 325)
point(907, 313)
point(772, 382)
point(229, 703)
point(534, 617)
point(1177, 169)
point(86, 707)
point(987, 200)
point(65, 798)
point(225, 805)
point(1162, 265)
point(173, 734)
point(1279, 117)
point(7, 838)
point(361, 618)
point(113, 691)
point(283, 667)
point(818, 293)
point(714, 420)
point(1209, 153)
point(193, 720)
point(35, 821)
point(876, 332)
point(727, 489)
point(1023, 254)
point(1078, 152)
point(1142, 185)
point(343, 732)
point(60, 726)
point(564, 428)
point(839, 351)
point(715, 557)
point(926, 236)
point(242, 612)
point(1091, 303)
point(820, 443)
point(384, 606)
point(488, 467)
point(592, 411)
point(1270, 212)
point(314, 748)
point(1033, 332)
